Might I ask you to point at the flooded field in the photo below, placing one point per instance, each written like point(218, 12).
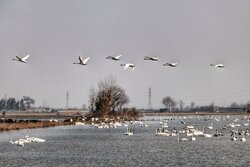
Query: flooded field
point(90, 146)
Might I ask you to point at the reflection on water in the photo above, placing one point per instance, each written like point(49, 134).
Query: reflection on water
point(89, 146)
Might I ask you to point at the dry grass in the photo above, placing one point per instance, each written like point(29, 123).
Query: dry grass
point(18, 126)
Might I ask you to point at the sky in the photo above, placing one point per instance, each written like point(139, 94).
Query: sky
point(194, 33)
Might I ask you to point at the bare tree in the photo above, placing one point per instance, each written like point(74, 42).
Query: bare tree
point(192, 104)
point(27, 102)
point(234, 105)
point(11, 102)
point(169, 103)
point(212, 107)
point(108, 98)
point(248, 107)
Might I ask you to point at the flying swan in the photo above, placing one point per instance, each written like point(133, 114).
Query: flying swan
point(217, 65)
point(22, 60)
point(116, 58)
point(151, 58)
point(82, 62)
point(170, 64)
point(128, 65)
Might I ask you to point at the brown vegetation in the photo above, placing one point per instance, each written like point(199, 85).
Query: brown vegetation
point(26, 125)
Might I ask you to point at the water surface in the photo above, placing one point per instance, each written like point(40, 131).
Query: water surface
point(90, 146)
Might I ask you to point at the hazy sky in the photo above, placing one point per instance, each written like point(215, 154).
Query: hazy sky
point(193, 33)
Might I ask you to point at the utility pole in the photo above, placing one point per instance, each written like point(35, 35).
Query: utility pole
point(67, 100)
point(5, 102)
point(149, 107)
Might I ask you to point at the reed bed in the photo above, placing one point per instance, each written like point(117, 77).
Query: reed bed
point(42, 124)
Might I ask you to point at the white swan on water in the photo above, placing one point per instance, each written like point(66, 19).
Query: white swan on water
point(22, 60)
point(27, 139)
point(234, 138)
point(130, 131)
point(17, 142)
point(243, 138)
point(81, 61)
point(211, 126)
point(205, 134)
point(35, 139)
point(193, 138)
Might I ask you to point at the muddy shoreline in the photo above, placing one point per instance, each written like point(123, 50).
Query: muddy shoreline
point(18, 121)
point(43, 124)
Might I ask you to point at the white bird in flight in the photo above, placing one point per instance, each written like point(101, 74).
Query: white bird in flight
point(170, 64)
point(116, 58)
point(82, 62)
point(22, 60)
point(218, 65)
point(151, 58)
point(128, 65)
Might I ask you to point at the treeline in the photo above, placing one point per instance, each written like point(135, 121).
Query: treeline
point(13, 104)
point(172, 105)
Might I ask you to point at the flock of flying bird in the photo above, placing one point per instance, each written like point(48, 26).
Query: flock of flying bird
point(116, 58)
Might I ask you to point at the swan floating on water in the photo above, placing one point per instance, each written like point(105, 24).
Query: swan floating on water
point(34, 139)
point(217, 134)
point(162, 132)
point(211, 126)
point(243, 138)
point(27, 139)
point(234, 138)
point(193, 138)
point(130, 131)
point(17, 142)
point(22, 60)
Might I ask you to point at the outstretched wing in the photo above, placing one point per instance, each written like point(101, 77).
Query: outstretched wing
point(85, 60)
point(220, 65)
point(80, 59)
point(18, 58)
point(25, 58)
point(155, 58)
point(118, 57)
point(126, 66)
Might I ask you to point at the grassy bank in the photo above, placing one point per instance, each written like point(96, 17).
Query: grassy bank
point(42, 124)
